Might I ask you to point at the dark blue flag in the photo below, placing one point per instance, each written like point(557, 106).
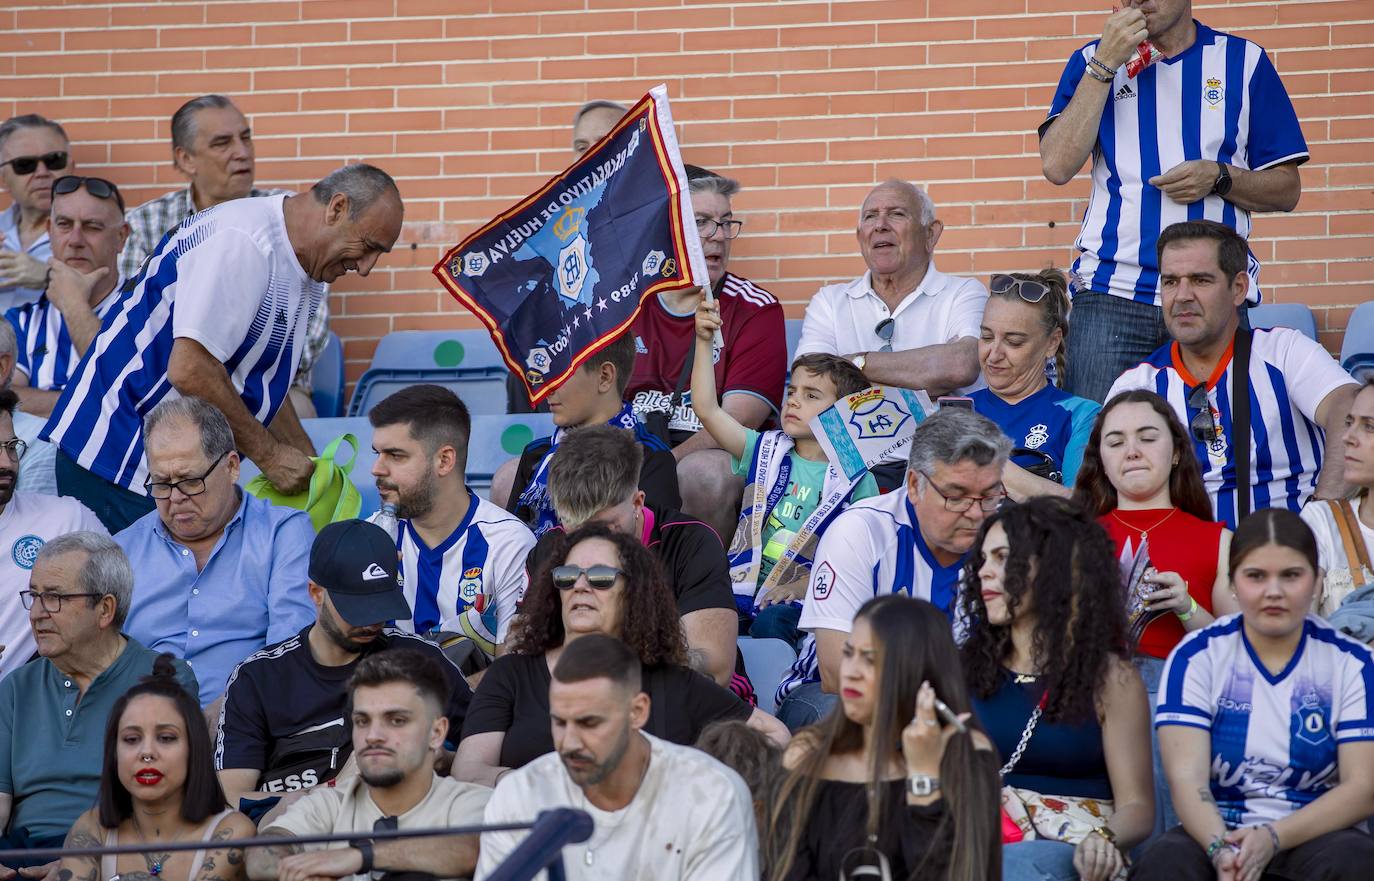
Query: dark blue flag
point(564, 272)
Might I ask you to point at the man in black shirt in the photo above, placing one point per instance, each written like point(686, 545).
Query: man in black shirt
point(284, 724)
point(592, 477)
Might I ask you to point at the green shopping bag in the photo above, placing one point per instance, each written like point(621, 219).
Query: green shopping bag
point(332, 495)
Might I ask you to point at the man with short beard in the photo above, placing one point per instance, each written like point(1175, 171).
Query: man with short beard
point(462, 558)
point(661, 811)
point(27, 522)
point(282, 727)
point(398, 726)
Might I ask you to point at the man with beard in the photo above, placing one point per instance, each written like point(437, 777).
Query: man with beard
point(398, 726)
point(218, 573)
point(282, 727)
point(27, 522)
point(661, 811)
point(462, 558)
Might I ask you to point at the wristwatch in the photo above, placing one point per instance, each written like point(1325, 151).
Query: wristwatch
point(364, 846)
point(923, 785)
point(1223, 182)
point(1106, 832)
point(860, 360)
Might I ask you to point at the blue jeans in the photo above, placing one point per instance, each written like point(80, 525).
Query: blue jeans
point(779, 621)
point(805, 705)
point(1165, 819)
point(1038, 860)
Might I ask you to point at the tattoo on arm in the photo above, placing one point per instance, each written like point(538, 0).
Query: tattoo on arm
point(1205, 793)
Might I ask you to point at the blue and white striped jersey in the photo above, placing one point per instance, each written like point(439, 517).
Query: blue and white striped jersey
point(873, 547)
point(472, 581)
point(1221, 100)
point(1290, 375)
point(45, 352)
point(1274, 737)
point(227, 278)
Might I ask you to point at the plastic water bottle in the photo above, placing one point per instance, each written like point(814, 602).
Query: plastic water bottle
point(386, 519)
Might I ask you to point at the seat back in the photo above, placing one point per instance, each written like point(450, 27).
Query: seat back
point(767, 662)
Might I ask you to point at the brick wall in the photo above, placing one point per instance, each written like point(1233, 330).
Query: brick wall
point(467, 103)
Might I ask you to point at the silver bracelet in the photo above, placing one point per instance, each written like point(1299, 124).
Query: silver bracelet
point(1273, 836)
point(1092, 72)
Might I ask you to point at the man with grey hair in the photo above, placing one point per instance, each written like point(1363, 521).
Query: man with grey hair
point(220, 311)
point(53, 710)
point(212, 146)
point(593, 121)
point(221, 573)
point(27, 520)
point(912, 541)
point(903, 322)
point(40, 458)
point(751, 366)
point(34, 153)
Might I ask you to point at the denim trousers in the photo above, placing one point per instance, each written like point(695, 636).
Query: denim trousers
point(1150, 671)
point(805, 705)
point(1038, 860)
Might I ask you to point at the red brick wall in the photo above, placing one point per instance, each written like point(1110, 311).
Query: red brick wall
point(467, 103)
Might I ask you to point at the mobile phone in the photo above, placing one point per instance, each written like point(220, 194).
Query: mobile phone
point(954, 401)
point(949, 716)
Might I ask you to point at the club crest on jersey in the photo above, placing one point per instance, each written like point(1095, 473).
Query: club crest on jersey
point(25, 551)
point(1311, 725)
point(1037, 436)
point(471, 585)
point(1212, 91)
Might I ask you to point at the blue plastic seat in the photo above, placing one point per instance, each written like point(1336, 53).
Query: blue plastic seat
point(327, 379)
point(1294, 315)
point(483, 390)
point(445, 349)
point(497, 439)
point(1357, 350)
point(767, 662)
point(794, 329)
point(466, 361)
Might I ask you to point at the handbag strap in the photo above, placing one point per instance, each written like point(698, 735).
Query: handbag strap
point(1025, 735)
point(1240, 420)
point(1356, 554)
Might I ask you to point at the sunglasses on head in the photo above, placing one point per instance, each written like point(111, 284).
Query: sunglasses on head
point(1028, 289)
point(96, 186)
point(54, 161)
point(1202, 425)
point(600, 576)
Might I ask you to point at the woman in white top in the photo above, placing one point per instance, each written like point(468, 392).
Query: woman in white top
point(158, 787)
point(1344, 529)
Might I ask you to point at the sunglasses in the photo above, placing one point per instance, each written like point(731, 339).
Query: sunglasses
point(96, 186)
point(54, 161)
point(600, 576)
point(1202, 425)
point(1028, 289)
point(884, 331)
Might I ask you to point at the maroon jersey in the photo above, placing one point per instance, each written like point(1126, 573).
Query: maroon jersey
point(754, 360)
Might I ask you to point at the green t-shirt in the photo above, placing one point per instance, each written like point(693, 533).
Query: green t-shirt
point(804, 487)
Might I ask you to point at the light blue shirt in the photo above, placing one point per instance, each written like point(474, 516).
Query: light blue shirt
point(40, 249)
point(251, 593)
point(38, 468)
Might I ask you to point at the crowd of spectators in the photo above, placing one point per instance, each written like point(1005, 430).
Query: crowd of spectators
point(1110, 616)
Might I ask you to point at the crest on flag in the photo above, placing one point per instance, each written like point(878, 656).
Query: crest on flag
point(562, 273)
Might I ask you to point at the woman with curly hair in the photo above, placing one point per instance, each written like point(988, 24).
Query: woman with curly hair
point(1047, 663)
point(596, 580)
point(887, 785)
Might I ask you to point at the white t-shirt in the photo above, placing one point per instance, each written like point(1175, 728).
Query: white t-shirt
point(842, 319)
point(692, 820)
point(28, 522)
point(330, 810)
point(1330, 549)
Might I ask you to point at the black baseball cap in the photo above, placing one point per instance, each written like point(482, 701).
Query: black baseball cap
point(356, 562)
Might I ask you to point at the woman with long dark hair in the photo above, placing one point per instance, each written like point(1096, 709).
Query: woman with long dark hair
point(1142, 482)
point(1266, 722)
point(886, 783)
point(1048, 665)
point(158, 786)
point(596, 580)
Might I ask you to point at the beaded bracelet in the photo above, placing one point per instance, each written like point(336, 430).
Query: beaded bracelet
point(1101, 65)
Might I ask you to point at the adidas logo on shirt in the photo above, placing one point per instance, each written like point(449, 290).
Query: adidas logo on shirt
point(1124, 92)
point(640, 348)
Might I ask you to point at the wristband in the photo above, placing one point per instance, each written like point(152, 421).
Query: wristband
point(1101, 65)
point(1218, 844)
point(364, 847)
point(1097, 76)
point(1273, 836)
point(1185, 617)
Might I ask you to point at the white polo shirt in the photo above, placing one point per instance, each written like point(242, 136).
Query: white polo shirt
point(842, 319)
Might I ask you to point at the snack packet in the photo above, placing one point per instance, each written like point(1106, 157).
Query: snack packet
point(1145, 55)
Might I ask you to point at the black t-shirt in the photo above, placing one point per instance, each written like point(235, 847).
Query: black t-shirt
point(284, 711)
point(513, 697)
point(657, 476)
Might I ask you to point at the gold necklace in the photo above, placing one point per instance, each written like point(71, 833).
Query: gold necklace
point(1144, 533)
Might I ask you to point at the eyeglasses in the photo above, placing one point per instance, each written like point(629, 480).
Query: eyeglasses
point(600, 576)
point(707, 226)
point(191, 486)
point(960, 504)
point(1028, 289)
point(1202, 425)
point(96, 186)
point(884, 331)
point(15, 449)
point(54, 161)
point(51, 601)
